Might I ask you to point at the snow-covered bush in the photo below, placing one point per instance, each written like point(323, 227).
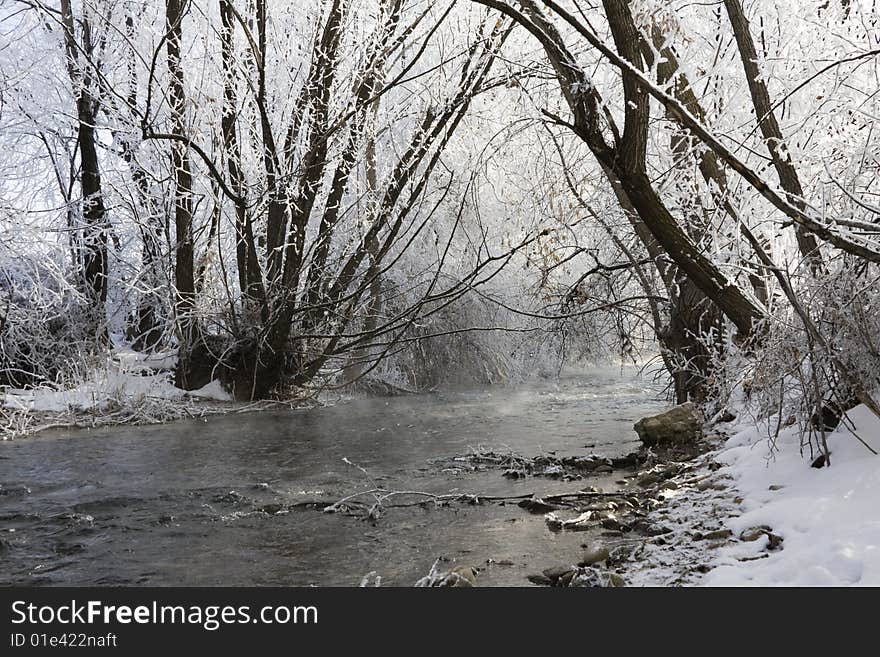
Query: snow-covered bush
point(790, 377)
point(47, 328)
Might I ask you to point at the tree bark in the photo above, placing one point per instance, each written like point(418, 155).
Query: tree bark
point(629, 166)
point(624, 161)
point(146, 329)
point(250, 275)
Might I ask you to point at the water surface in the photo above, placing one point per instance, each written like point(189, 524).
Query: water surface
point(177, 504)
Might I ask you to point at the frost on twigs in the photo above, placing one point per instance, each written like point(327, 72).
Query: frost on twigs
point(456, 577)
point(808, 380)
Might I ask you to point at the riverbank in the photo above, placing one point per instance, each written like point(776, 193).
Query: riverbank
point(755, 513)
point(745, 510)
point(129, 388)
point(657, 526)
point(827, 518)
point(23, 415)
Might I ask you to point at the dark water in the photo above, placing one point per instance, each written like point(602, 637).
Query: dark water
point(152, 505)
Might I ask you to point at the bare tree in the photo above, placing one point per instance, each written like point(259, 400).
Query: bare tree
point(184, 272)
point(305, 296)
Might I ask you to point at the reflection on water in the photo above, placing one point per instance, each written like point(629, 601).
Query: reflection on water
point(154, 505)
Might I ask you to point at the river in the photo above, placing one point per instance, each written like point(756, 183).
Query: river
point(179, 503)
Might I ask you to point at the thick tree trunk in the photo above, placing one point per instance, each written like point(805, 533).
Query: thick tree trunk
point(627, 161)
point(691, 313)
point(725, 294)
point(625, 158)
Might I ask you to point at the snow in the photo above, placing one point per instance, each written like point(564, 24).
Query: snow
point(105, 389)
point(213, 391)
point(126, 379)
point(100, 391)
point(829, 518)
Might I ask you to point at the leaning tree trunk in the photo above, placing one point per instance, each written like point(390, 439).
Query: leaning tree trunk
point(625, 159)
point(628, 161)
point(690, 312)
point(691, 315)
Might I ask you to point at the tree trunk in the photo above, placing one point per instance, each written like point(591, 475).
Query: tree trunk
point(358, 362)
point(184, 270)
point(625, 158)
point(627, 161)
point(93, 242)
point(250, 276)
point(146, 328)
point(691, 313)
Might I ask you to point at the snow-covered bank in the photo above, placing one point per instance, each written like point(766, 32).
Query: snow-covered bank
point(747, 515)
point(829, 518)
point(128, 388)
point(127, 377)
point(107, 388)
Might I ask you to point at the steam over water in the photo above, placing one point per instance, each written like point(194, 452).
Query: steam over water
point(186, 503)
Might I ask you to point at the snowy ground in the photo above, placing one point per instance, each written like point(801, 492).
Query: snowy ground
point(728, 515)
point(128, 377)
point(128, 388)
point(107, 388)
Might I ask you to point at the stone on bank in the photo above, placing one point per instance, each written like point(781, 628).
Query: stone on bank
point(677, 426)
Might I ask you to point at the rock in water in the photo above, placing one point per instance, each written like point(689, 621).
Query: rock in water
point(595, 555)
point(676, 426)
point(537, 505)
point(557, 572)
